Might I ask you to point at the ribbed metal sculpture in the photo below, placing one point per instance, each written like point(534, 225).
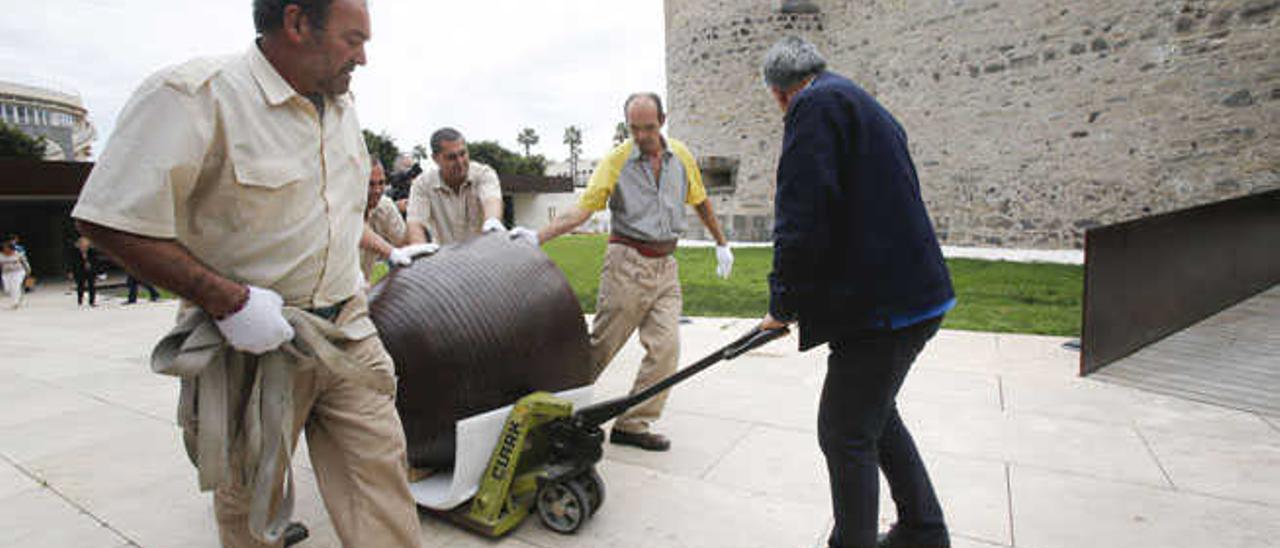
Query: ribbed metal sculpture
point(472, 328)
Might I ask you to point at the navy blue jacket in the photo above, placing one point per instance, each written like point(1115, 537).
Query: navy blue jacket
point(853, 244)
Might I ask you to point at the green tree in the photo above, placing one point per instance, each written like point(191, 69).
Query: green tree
point(381, 147)
point(420, 152)
point(527, 137)
point(505, 161)
point(620, 133)
point(14, 143)
point(573, 138)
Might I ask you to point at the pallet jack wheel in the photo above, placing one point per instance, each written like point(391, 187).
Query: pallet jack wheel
point(591, 483)
point(564, 506)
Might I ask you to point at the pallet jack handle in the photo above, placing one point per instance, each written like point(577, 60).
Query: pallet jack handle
point(593, 416)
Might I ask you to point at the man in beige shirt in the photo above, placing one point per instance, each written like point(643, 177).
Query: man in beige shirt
point(458, 199)
point(239, 184)
point(385, 230)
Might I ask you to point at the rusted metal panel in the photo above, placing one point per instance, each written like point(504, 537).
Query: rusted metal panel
point(1148, 278)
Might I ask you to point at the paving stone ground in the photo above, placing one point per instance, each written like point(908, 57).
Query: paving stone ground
point(1023, 452)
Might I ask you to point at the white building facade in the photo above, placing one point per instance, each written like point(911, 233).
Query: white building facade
point(58, 119)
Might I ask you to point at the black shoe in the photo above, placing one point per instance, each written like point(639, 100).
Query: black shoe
point(648, 441)
point(294, 533)
point(887, 540)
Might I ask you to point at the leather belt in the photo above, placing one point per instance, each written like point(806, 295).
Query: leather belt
point(329, 312)
point(648, 249)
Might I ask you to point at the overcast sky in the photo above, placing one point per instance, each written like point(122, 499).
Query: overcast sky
point(487, 67)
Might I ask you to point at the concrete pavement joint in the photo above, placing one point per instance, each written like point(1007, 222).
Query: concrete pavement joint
point(1095, 477)
point(727, 452)
point(144, 414)
point(1144, 485)
point(979, 540)
point(21, 469)
point(1250, 502)
point(49, 487)
point(753, 423)
point(1273, 423)
point(1000, 390)
point(1151, 451)
point(1008, 497)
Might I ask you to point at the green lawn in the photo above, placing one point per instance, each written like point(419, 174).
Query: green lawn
point(997, 296)
point(993, 295)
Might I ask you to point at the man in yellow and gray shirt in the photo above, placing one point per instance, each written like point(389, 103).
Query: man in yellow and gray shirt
point(645, 182)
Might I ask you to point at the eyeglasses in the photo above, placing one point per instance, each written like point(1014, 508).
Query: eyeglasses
point(451, 156)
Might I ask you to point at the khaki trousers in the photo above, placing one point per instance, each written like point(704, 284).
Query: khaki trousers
point(357, 448)
point(644, 293)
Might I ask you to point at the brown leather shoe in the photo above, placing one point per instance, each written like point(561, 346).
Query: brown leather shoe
point(648, 441)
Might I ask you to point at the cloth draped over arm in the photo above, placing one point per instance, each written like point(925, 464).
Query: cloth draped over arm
point(236, 409)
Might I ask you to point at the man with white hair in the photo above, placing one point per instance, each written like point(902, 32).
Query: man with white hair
point(856, 262)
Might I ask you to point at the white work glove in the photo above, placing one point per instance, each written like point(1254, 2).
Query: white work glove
point(524, 235)
point(492, 225)
point(724, 261)
point(398, 257)
point(259, 326)
point(404, 256)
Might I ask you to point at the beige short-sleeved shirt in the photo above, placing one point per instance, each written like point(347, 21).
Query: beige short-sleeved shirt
point(450, 215)
point(385, 221)
point(225, 157)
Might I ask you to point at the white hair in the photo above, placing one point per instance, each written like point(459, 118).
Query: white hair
point(790, 61)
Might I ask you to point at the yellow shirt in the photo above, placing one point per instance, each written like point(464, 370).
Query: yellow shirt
point(225, 157)
point(452, 215)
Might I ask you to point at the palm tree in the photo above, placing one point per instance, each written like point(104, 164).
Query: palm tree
point(527, 137)
point(573, 138)
point(620, 133)
point(420, 152)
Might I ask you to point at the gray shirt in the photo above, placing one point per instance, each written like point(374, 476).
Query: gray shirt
point(642, 207)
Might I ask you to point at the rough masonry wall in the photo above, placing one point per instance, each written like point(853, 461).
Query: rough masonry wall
point(1029, 121)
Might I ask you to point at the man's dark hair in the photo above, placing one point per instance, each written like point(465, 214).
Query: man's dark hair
point(646, 95)
point(268, 15)
point(444, 134)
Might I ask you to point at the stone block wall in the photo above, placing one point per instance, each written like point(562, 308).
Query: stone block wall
point(1029, 121)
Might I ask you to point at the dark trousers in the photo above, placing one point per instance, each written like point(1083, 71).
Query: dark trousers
point(133, 283)
point(85, 281)
point(861, 435)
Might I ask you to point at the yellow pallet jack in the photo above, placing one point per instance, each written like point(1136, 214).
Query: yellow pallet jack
point(545, 459)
